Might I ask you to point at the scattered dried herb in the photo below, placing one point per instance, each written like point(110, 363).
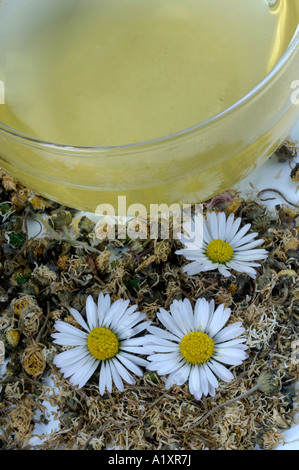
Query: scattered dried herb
point(42, 277)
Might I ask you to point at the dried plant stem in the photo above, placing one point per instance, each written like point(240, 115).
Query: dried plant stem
point(222, 405)
point(277, 192)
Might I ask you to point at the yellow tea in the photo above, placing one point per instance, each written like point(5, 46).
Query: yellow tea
point(116, 72)
point(91, 88)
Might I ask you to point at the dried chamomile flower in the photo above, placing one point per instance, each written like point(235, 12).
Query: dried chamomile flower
point(222, 246)
point(106, 341)
point(102, 261)
point(195, 346)
point(268, 383)
point(33, 361)
point(19, 304)
point(30, 320)
point(12, 337)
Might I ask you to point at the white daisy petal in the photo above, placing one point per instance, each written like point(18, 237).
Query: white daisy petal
point(116, 377)
point(201, 314)
point(130, 365)
point(165, 357)
point(123, 372)
point(104, 303)
point(238, 236)
point(247, 241)
point(220, 371)
point(221, 225)
point(228, 227)
point(204, 385)
point(82, 378)
point(68, 340)
point(102, 378)
point(162, 333)
point(64, 327)
point(229, 332)
point(234, 228)
point(166, 319)
point(69, 357)
point(135, 359)
point(194, 380)
point(229, 359)
point(210, 376)
point(179, 377)
point(79, 319)
point(91, 312)
point(218, 320)
point(77, 365)
point(109, 382)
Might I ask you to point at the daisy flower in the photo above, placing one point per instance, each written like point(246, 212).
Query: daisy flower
point(196, 346)
point(222, 246)
point(106, 340)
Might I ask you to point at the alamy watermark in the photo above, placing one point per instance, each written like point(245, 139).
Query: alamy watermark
point(2, 353)
point(295, 352)
point(295, 94)
point(162, 222)
point(2, 92)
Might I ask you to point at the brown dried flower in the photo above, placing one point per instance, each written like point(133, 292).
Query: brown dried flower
point(33, 361)
point(29, 321)
point(12, 337)
point(102, 261)
point(19, 304)
point(21, 420)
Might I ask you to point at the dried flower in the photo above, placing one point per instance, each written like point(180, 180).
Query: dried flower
point(268, 383)
point(33, 361)
point(12, 337)
point(195, 346)
point(18, 304)
point(15, 240)
point(295, 174)
point(61, 219)
point(83, 225)
point(21, 420)
point(29, 320)
point(102, 262)
point(21, 276)
point(44, 274)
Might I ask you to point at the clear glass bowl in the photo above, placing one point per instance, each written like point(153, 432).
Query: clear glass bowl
point(187, 167)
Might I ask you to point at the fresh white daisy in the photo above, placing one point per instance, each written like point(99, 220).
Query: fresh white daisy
point(107, 340)
point(222, 246)
point(196, 346)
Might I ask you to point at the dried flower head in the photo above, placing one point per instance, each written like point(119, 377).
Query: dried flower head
point(12, 337)
point(19, 304)
point(29, 320)
point(268, 383)
point(102, 261)
point(33, 361)
point(21, 420)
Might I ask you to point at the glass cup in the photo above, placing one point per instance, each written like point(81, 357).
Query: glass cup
point(187, 167)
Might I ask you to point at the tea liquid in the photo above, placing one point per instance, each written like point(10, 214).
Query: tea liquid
point(115, 72)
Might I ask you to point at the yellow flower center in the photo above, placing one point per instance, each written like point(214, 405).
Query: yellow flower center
point(219, 251)
point(102, 343)
point(197, 347)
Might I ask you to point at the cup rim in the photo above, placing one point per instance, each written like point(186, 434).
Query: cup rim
point(258, 89)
